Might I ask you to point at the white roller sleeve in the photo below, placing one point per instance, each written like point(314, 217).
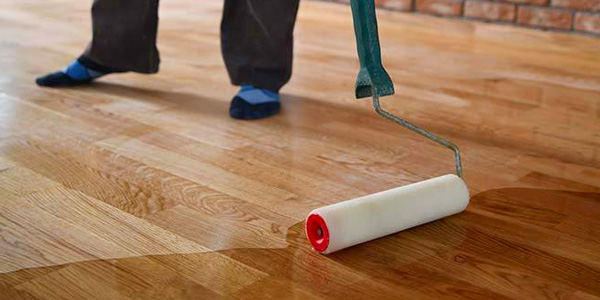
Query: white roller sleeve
point(362, 219)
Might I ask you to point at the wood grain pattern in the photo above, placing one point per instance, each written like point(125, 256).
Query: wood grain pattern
point(140, 187)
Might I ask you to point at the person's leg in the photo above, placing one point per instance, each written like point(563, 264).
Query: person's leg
point(124, 39)
point(257, 46)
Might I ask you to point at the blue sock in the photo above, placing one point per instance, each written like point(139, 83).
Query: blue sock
point(254, 103)
point(80, 71)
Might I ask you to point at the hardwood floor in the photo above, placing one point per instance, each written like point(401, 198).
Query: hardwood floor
point(141, 187)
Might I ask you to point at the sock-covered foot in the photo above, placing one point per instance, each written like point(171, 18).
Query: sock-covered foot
point(254, 103)
point(80, 71)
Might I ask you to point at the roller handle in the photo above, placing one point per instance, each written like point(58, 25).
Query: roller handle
point(372, 79)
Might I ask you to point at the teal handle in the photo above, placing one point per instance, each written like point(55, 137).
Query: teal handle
point(372, 79)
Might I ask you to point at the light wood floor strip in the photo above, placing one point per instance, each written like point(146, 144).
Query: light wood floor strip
point(141, 187)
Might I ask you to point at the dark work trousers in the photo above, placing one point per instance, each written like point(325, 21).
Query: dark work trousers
point(256, 38)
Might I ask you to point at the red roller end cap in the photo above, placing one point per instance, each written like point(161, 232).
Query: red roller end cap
point(317, 232)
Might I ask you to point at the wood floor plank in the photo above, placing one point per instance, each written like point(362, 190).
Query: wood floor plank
point(141, 187)
point(236, 230)
point(237, 186)
point(24, 236)
point(110, 223)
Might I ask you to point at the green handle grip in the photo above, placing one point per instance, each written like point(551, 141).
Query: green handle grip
point(372, 79)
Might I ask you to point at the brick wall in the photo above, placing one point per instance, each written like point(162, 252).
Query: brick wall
point(566, 15)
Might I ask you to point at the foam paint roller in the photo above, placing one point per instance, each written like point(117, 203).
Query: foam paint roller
point(348, 223)
point(359, 220)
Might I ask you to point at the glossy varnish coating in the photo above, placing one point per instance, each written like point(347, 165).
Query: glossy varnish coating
point(141, 187)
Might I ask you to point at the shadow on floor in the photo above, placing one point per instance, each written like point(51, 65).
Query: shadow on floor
point(183, 100)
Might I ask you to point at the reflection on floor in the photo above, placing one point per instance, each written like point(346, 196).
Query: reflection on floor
point(141, 187)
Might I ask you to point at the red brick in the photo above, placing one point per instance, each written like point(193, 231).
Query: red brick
point(544, 17)
point(536, 2)
point(400, 5)
point(587, 22)
point(589, 5)
point(490, 10)
point(440, 7)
